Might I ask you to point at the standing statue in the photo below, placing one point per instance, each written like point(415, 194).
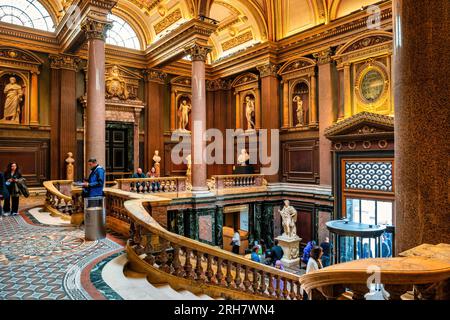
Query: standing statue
point(14, 96)
point(69, 167)
point(249, 110)
point(289, 216)
point(299, 110)
point(184, 114)
point(157, 159)
point(189, 170)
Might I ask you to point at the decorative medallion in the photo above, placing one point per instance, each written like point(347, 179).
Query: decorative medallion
point(372, 84)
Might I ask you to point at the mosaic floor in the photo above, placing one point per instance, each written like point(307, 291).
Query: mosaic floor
point(40, 261)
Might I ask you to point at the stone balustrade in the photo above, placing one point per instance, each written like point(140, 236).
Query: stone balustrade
point(237, 183)
point(174, 185)
point(64, 201)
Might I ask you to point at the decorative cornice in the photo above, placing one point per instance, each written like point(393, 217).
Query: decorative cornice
point(64, 61)
point(324, 56)
point(95, 27)
point(103, 4)
point(198, 52)
point(268, 70)
point(155, 75)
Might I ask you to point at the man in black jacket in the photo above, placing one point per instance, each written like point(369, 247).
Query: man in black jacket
point(276, 252)
point(3, 191)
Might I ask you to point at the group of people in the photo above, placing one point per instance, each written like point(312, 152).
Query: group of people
point(139, 174)
point(12, 186)
point(312, 251)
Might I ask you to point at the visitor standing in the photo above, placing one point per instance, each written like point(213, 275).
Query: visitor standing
point(3, 191)
point(276, 252)
point(94, 185)
point(15, 186)
point(327, 249)
point(236, 242)
point(255, 256)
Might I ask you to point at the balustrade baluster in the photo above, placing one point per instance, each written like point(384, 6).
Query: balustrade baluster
point(189, 274)
point(285, 288)
point(178, 268)
point(255, 281)
point(219, 273)
point(271, 289)
point(292, 291)
point(229, 278)
point(209, 269)
point(198, 267)
point(263, 286)
point(247, 282)
point(278, 288)
point(237, 278)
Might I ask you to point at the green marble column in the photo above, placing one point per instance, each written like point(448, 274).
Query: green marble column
point(257, 222)
point(219, 226)
point(267, 224)
point(180, 222)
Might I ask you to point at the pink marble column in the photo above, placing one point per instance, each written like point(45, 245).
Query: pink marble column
point(198, 114)
point(95, 110)
point(326, 114)
point(422, 122)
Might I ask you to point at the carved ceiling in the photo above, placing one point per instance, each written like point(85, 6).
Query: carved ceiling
point(241, 23)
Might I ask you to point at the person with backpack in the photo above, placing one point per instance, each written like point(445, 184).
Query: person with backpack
point(15, 186)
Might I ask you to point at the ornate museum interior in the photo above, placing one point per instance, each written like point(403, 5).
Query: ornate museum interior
point(352, 96)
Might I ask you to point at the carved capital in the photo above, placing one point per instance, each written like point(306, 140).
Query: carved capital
point(64, 61)
point(155, 75)
point(95, 27)
point(268, 70)
point(198, 52)
point(324, 56)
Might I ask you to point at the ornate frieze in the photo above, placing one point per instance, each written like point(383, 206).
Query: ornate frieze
point(268, 70)
point(146, 5)
point(324, 56)
point(218, 84)
point(367, 42)
point(167, 21)
point(198, 52)
point(95, 28)
point(64, 61)
point(155, 75)
point(234, 42)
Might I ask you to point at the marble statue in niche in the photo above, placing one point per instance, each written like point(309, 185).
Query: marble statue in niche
point(299, 110)
point(116, 86)
point(243, 158)
point(183, 111)
point(249, 112)
point(157, 159)
point(289, 219)
point(13, 97)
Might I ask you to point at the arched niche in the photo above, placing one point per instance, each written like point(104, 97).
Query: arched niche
point(299, 80)
point(180, 89)
point(247, 85)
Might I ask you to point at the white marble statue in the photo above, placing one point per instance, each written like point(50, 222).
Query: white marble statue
point(289, 217)
point(249, 110)
point(299, 110)
point(184, 110)
point(243, 157)
point(157, 159)
point(14, 96)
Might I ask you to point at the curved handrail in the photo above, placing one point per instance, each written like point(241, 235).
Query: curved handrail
point(141, 217)
point(50, 187)
point(391, 272)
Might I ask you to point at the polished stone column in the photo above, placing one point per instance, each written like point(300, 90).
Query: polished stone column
point(34, 100)
point(198, 113)
point(154, 113)
point(326, 113)
point(422, 122)
point(95, 30)
point(286, 102)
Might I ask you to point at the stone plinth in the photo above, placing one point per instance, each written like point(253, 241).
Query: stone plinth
point(291, 250)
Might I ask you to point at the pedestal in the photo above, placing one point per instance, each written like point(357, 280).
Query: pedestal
point(291, 248)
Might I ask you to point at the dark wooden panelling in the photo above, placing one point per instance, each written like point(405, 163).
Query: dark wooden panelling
point(304, 225)
point(300, 160)
point(30, 155)
point(172, 169)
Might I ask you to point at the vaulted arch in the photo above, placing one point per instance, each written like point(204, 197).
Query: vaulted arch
point(341, 8)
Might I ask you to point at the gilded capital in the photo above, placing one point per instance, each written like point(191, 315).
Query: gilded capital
point(64, 61)
point(267, 70)
point(96, 27)
point(155, 75)
point(198, 52)
point(324, 56)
